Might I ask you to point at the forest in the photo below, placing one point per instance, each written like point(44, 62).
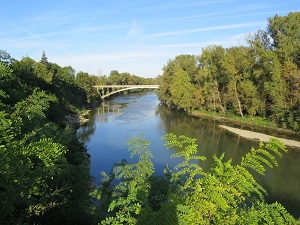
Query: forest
point(45, 169)
point(258, 80)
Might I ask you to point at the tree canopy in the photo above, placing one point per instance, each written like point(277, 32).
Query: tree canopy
point(258, 80)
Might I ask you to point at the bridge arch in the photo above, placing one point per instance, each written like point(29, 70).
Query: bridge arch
point(121, 88)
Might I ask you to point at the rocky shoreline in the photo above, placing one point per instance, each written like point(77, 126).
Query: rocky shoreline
point(259, 136)
point(77, 120)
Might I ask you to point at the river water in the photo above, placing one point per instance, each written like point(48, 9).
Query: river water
point(113, 123)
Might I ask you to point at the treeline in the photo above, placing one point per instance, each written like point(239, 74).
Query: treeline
point(125, 78)
point(261, 79)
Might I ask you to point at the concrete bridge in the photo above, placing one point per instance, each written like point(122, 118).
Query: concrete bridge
point(120, 88)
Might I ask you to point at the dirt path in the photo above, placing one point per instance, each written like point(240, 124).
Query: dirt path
point(259, 136)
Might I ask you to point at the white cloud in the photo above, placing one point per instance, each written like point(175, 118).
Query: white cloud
point(214, 28)
point(134, 30)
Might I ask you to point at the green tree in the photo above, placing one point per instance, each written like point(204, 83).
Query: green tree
point(235, 65)
point(184, 63)
point(5, 57)
point(284, 31)
point(182, 90)
point(41, 71)
point(44, 60)
point(87, 82)
point(44, 169)
point(211, 78)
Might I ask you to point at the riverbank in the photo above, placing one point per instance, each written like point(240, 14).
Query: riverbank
point(77, 119)
point(243, 121)
point(259, 136)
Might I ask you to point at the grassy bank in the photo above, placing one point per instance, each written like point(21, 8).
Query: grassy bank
point(251, 121)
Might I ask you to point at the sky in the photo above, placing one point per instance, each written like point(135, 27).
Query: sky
point(134, 36)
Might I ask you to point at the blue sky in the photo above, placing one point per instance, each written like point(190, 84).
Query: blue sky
point(134, 36)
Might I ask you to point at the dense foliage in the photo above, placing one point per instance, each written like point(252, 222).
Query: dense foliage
point(116, 78)
point(261, 79)
point(225, 194)
point(125, 79)
point(44, 169)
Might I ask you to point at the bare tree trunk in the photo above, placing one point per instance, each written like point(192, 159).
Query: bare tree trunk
point(238, 100)
point(219, 97)
point(214, 99)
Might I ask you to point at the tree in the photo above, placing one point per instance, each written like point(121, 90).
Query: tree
point(284, 31)
point(211, 78)
point(182, 90)
point(184, 63)
point(44, 169)
point(5, 57)
point(291, 75)
point(25, 188)
point(236, 67)
point(114, 77)
point(41, 71)
point(44, 60)
point(87, 82)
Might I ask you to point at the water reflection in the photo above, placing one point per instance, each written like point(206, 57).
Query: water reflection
point(88, 129)
point(115, 121)
point(282, 183)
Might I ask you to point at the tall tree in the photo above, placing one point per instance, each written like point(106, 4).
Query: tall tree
point(285, 33)
point(182, 91)
point(211, 78)
point(44, 60)
point(183, 63)
point(5, 57)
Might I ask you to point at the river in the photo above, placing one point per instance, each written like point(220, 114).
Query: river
point(120, 118)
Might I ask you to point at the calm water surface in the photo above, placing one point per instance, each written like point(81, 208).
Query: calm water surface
point(120, 118)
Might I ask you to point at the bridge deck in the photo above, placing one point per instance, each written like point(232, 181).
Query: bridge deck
point(126, 86)
point(122, 88)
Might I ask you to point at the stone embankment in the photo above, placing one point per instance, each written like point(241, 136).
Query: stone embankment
point(259, 136)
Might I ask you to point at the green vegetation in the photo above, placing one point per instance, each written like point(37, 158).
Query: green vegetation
point(44, 168)
point(225, 194)
point(116, 78)
point(125, 79)
point(258, 80)
point(258, 121)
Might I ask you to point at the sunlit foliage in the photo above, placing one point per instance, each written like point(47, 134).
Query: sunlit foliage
point(258, 80)
point(225, 194)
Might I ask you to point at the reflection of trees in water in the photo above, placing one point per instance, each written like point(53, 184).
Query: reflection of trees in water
point(282, 182)
point(86, 130)
point(211, 139)
point(99, 114)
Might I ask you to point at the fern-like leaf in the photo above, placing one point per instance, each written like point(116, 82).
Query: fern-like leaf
point(264, 156)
